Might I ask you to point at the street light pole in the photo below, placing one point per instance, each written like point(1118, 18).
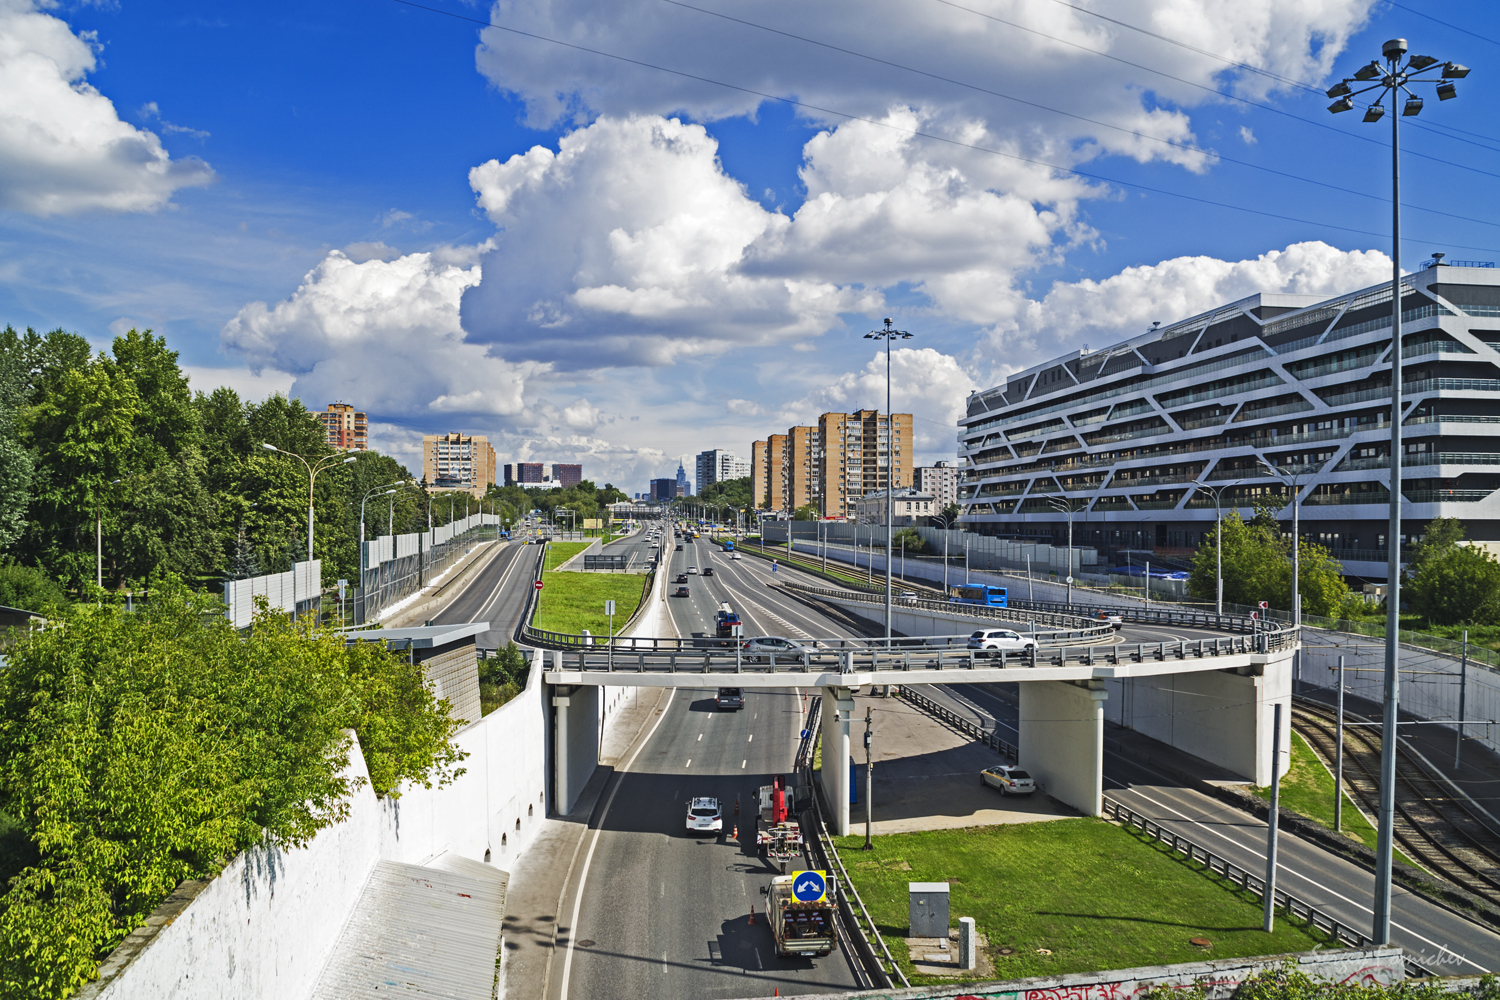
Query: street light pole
point(1292, 479)
point(1393, 78)
point(1218, 542)
point(888, 334)
point(1065, 505)
point(313, 468)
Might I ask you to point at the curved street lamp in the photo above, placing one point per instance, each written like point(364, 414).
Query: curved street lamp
point(1292, 476)
point(1065, 505)
point(1218, 542)
point(1394, 77)
point(887, 334)
point(313, 468)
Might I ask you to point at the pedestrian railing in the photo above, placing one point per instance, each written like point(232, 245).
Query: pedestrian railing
point(907, 660)
point(1340, 932)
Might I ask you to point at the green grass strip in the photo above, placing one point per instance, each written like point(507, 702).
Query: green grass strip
point(1068, 895)
point(571, 601)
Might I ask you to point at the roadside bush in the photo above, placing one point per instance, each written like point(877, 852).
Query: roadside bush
point(140, 750)
point(29, 589)
point(1258, 567)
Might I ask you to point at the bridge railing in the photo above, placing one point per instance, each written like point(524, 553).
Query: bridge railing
point(717, 660)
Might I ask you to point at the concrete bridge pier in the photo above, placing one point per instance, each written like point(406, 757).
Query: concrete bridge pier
point(575, 739)
point(838, 706)
point(1062, 740)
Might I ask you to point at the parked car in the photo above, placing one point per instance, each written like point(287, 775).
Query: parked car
point(999, 641)
point(1011, 780)
point(703, 816)
point(680, 592)
point(708, 571)
point(730, 698)
point(761, 648)
point(1111, 619)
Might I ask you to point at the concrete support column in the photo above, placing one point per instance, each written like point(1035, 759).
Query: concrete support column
point(1062, 740)
point(838, 705)
point(575, 735)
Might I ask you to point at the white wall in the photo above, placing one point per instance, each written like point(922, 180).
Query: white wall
point(267, 924)
point(1062, 741)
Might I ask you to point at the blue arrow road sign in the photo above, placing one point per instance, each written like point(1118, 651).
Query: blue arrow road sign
point(808, 887)
point(806, 733)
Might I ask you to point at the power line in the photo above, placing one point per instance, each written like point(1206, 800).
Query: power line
point(1466, 31)
point(791, 102)
point(1068, 114)
point(1213, 90)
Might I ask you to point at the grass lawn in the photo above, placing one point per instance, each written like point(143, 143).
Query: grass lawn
point(571, 602)
point(815, 565)
point(1094, 895)
point(1307, 788)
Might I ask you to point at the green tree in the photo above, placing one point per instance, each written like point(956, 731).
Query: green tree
point(138, 750)
point(910, 539)
point(807, 512)
point(1258, 567)
point(1457, 585)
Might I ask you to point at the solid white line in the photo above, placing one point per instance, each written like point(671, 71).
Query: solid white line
point(1295, 874)
point(588, 859)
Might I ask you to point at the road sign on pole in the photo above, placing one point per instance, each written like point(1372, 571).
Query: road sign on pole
point(537, 585)
point(609, 607)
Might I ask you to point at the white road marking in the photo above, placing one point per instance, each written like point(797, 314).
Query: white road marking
point(743, 763)
point(689, 763)
point(583, 877)
point(700, 736)
point(751, 739)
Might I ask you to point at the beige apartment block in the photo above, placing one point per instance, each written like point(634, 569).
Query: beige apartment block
point(831, 465)
point(466, 461)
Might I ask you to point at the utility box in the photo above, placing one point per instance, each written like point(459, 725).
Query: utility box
point(927, 910)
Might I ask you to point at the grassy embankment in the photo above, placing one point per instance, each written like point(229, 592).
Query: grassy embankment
point(1307, 788)
point(572, 601)
point(1070, 895)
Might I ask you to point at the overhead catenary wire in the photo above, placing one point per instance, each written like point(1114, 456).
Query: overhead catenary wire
point(1186, 147)
point(1228, 97)
point(947, 140)
point(1466, 31)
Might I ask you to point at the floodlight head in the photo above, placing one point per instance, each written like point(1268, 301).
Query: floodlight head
point(1369, 72)
point(351, 458)
point(1446, 91)
point(1394, 49)
point(388, 493)
point(1374, 112)
point(1420, 63)
point(871, 336)
point(1342, 104)
point(1412, 108)
point(1454, 71)
point(1338, 89)
point(269, 446)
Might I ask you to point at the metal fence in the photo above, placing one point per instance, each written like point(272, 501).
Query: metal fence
point(990, 739)
point(1334, 928)
point(295, 592)
point(397, 566)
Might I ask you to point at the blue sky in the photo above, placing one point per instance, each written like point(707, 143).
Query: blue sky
point(293, 189)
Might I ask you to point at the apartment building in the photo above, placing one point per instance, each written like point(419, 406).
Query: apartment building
point(832, 464)
point(941, 480)
point(718, 466)
point(1126, 434)
point(345, 428)
point(566, 474)
point(467, 462)
point(909, 506)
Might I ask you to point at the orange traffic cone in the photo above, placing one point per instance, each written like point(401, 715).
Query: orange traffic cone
point(752, 913)
point(736, 835)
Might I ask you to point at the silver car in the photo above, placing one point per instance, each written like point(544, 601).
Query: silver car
point(762, 647)
point(1009, 779)
point(999, 641)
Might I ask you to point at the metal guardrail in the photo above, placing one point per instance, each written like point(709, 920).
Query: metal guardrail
point(989, 739)
point(823, 844)
point(1334, 928)
point(708, 660)
point(1069, 626)
point(1185, 619)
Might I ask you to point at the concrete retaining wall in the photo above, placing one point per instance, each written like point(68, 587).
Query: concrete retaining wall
point(263, 929)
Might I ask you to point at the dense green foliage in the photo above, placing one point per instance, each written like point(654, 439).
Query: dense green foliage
point(502, 677)
point(734, 492)
point(29, 589)
point(1258, 567)
point(139, 750)
point(173, 482)
point(585, 500)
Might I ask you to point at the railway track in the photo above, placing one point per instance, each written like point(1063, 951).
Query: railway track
point(1434, 826)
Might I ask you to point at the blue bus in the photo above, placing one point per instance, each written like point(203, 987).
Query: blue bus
point(993, 597)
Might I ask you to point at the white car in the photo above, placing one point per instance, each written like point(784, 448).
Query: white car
point(692, 571)
point(1106, 618)
point(703, 816)
point(999, 641)
point(1009, 779)
point(735, 555)
point(761, 648)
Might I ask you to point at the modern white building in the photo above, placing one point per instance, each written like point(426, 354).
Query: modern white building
point(941, 480)
point(1123, 434)
point(717, 466)
point(908, 507)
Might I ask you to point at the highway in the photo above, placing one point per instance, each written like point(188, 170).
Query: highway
point(664, 914)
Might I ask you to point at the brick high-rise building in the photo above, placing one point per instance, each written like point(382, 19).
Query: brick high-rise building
point(466, 462)
point(565, 475)
point(831, 465)
point(345, 428)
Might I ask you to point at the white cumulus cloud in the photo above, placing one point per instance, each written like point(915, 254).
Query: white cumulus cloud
point(63, 147)
point(384, 333)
